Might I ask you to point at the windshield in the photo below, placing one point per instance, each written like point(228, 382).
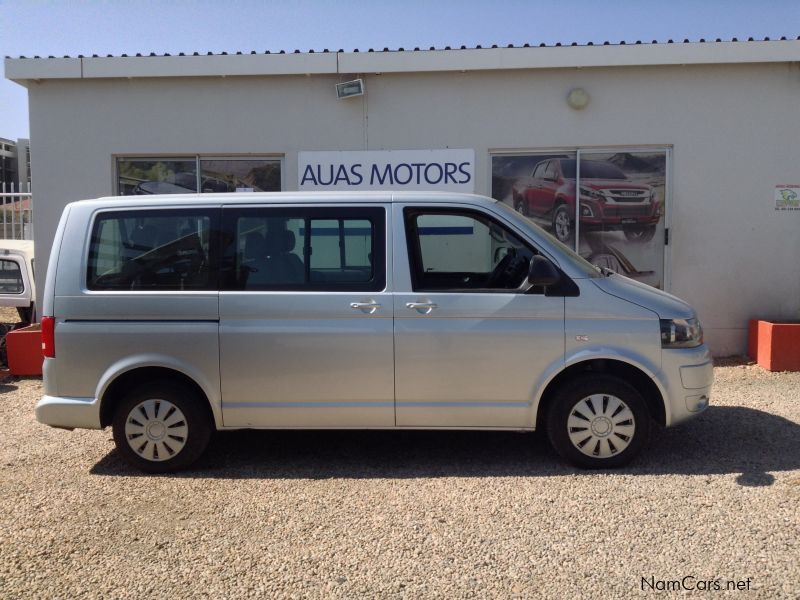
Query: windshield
point(561, 251)
point(591, 169)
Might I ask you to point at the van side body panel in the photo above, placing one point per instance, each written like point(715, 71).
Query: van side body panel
point(102, 334)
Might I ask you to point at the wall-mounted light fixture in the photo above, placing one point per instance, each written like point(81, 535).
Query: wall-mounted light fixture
point(349, 89)
point(578, 98)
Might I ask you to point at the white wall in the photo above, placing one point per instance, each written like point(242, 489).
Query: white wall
point(734, 129)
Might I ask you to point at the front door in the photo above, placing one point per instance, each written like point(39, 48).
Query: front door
point(470, 347)
point(306, 317)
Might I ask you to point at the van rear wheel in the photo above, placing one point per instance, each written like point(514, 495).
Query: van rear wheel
point(598, 422)
point(161, 427)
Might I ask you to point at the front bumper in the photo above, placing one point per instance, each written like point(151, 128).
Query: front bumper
point(686, 377)
point(69, 413)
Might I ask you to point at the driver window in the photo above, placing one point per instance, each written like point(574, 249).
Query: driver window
point(464, 251)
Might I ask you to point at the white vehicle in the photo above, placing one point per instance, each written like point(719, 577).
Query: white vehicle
point(169, 317)
point(17, 287)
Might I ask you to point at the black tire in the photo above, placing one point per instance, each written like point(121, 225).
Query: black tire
point(198, 426)
point(574, 395)
point(563, 224)
point(640, 234)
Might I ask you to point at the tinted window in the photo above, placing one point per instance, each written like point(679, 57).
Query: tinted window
point(151, 250)
point(240, 175)
point(143, 177)
point(592, 169)
point(464, 251)
point(304, 249)
point(10, 278)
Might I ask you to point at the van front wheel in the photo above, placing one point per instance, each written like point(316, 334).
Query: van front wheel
point(161, 427)
point(598, 422)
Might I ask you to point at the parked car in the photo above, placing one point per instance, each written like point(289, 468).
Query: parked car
point(609, 200)
point(170, 317)
point(17, 285)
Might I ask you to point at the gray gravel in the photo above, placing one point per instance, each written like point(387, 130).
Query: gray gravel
point(406, 514)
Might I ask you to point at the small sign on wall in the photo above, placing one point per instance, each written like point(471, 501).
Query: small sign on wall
point(787, 197)
point(445, 170)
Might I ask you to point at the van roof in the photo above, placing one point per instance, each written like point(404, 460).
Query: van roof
point(295, 197)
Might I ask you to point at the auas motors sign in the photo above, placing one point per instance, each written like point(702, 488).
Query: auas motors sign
point(452, 170)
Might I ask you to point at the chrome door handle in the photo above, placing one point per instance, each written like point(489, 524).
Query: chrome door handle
point(367, 307)
point(422, 307)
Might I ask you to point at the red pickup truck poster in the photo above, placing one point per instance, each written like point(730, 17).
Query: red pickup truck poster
point(618, 220)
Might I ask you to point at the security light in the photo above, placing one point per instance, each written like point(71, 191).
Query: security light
point(348, 89)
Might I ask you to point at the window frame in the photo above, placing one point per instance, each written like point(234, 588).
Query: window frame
point(198, 159)
point(375, 214)
point(414, 248)
point(212, 213)
point(23, 286)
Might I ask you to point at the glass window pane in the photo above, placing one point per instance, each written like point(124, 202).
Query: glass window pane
point(150, 250)
point(270, 252)
point(154, 176)
point(461, 252)
point(240, 175)
point(341, 250)
point(10, 278)
point(622, 212)
point(299, 249)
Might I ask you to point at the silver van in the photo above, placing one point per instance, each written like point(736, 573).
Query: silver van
point(170, 317)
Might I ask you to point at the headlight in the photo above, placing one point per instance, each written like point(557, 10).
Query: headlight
point(681, 333)
point(586, 210)
point(653, 196)
point(592, 193)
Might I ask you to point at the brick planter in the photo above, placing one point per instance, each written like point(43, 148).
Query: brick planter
point(24, 348)
point(774, 346)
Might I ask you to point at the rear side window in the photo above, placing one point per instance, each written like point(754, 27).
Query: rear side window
point(10, 278)
point(316, 248)
point(152, 250)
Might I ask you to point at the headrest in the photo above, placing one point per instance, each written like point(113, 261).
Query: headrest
point(255, 246)
point(288, 241)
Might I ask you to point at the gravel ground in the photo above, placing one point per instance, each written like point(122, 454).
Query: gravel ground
point(407, 514)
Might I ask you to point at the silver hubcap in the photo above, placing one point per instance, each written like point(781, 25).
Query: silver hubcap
point(601, 425)
point(562, 225)
point(156, 430)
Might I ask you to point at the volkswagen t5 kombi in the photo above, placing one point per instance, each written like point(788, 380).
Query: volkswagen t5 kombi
point(169, 317)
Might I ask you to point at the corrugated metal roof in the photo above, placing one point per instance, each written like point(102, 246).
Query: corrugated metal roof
point(419, 49)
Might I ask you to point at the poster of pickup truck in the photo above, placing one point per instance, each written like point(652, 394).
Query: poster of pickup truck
point(620, 196)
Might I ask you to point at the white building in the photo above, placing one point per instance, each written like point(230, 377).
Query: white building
point(707, 133)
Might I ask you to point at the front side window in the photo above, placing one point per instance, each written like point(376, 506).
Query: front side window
point(304, 249)
point(151, 250)
point(10, 278)
point(464, 251)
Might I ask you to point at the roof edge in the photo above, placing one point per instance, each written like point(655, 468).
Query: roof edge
point(466, 59)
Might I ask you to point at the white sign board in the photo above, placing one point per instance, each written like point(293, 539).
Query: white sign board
point(449, 169)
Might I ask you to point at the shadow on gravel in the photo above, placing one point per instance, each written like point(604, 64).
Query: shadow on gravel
point(5, 387)
point(722, 440)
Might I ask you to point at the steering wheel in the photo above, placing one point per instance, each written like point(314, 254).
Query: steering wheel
point(506, 270)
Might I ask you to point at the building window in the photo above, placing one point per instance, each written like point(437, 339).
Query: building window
point(137, 176)
point(619, 221)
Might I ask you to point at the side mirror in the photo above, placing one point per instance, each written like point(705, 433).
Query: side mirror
point(542, 272)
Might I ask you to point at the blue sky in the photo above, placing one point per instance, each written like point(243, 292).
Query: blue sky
point(114, 27)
